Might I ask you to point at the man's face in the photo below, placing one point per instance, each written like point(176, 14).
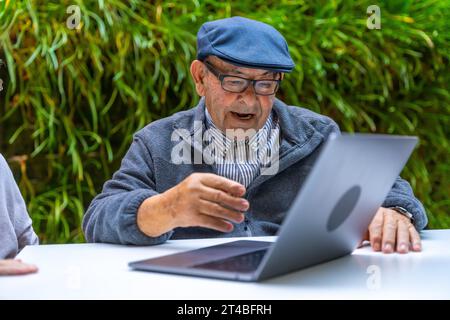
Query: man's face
point(229, 110)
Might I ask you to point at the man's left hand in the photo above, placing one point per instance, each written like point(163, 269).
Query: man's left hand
point(391, 231)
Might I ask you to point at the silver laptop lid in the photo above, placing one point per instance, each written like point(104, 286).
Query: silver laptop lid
point(348, 183)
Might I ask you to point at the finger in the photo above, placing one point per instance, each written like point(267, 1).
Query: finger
point(375, 230)
point(16, 268)
point(24, 270)
point(415, 238)
point(216, 210)
point(389, 233)
point(218, 196)
point(402, 237)
point(218, 224)
point(365, 237)
point(224, 184)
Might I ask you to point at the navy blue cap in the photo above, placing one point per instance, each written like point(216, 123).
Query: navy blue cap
point(246, 43)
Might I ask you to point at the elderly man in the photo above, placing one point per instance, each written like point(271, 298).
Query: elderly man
point(168, 187)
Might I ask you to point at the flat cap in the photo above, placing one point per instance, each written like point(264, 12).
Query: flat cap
point(246, 43)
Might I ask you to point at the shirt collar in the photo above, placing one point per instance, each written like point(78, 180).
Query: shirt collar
point(263, 133)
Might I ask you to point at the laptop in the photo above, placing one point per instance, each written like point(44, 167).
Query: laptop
point(327, 220)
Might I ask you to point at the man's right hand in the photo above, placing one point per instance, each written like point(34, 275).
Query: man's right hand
point(201, 200)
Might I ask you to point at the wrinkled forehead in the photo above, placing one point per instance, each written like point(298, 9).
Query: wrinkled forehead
point(229, 68)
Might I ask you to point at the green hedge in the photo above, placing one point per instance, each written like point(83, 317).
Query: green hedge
point(73, 98)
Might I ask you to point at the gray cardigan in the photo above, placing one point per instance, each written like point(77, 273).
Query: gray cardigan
point(16, 230)
point(147, 170)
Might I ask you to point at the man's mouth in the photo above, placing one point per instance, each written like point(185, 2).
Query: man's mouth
point(243, 116)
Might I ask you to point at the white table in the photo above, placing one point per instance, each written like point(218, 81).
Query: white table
point(100, 271)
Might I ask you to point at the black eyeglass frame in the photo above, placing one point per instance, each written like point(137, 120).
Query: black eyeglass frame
point(222, 76)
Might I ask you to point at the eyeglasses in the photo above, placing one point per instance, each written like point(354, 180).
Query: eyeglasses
point(238, 84)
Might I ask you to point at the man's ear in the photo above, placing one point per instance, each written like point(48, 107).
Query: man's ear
point(198, 75)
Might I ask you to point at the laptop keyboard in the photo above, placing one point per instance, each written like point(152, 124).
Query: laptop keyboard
point(248, 262)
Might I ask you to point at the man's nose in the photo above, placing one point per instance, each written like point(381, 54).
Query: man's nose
point(248, 96)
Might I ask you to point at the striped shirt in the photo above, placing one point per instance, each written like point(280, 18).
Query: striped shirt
point(242, 159)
